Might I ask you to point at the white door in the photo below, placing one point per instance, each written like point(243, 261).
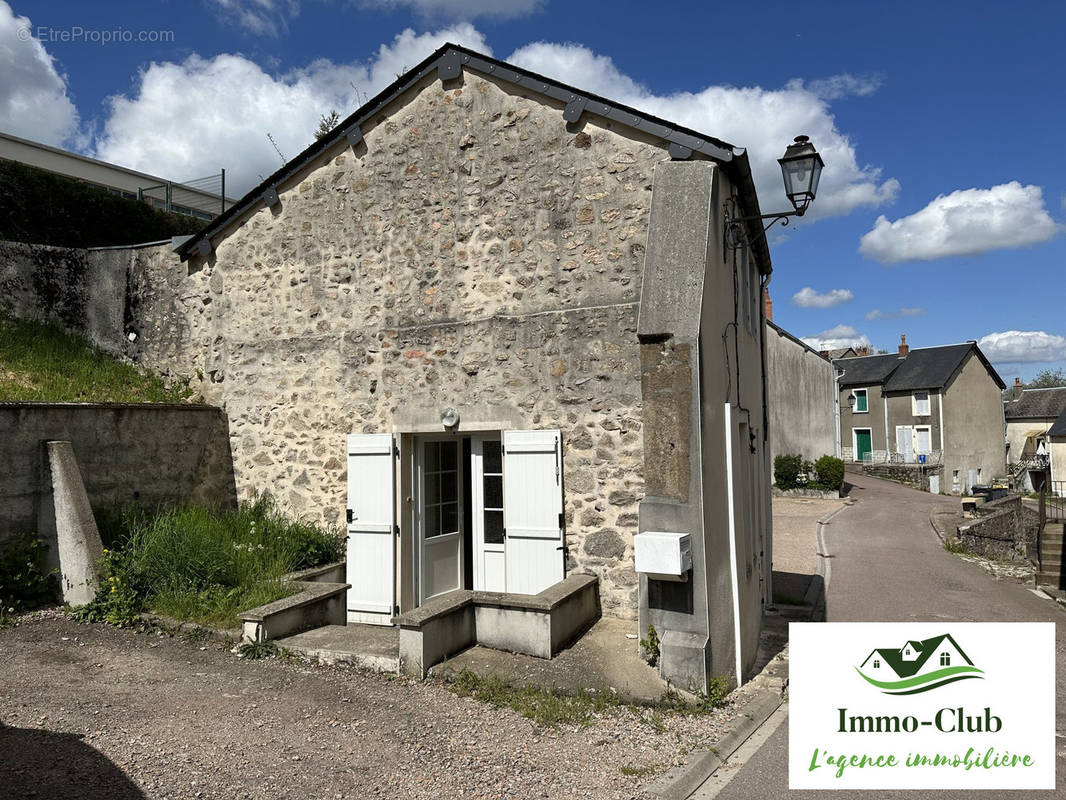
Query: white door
point(486, 494)
point(533, 510)
point(371, 528)
point(923, 440)
point(440, 524)
point(905, 442)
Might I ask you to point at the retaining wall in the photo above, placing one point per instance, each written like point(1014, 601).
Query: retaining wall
point(1005, 530)
point(147, 454)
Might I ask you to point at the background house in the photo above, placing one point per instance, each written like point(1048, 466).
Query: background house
point(935, 406)
point(1029, 415)
point(801, 395)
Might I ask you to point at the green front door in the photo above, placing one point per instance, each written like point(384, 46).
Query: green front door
point(863, 444)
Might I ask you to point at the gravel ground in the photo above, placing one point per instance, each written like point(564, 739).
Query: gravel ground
point(94, 711)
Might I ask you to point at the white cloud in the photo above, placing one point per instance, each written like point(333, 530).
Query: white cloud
point(840, 336)
point(1019, 347)
point(33, 94)
point(965, 222)
point(838, 86)
point(187, 120)
point(463, 9)
point(761, 120)
point(897, 314)
point(259, 17)
point(809, 298)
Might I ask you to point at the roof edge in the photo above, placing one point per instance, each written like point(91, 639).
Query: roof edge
point(448, 60)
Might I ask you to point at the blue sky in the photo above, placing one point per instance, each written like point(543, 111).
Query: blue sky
point(943, 201)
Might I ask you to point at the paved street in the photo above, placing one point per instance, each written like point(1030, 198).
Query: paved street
point(889, 566)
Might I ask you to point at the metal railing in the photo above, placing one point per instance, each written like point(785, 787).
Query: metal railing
point(1055, 501)
point(933, 458)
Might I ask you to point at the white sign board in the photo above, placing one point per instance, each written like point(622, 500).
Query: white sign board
point(921, 705)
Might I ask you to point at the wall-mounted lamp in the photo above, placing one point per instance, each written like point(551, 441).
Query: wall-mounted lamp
point(449, 417)
point(851, 401)
point(801, 167)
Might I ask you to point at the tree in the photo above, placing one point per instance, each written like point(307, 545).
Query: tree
point(327, 123)
point(1047, 378)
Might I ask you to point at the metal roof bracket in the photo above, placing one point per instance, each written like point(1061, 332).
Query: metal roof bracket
point(574, 109)
point(679, 151)
point(449, 66)
point(270, 197)
point(354, 135)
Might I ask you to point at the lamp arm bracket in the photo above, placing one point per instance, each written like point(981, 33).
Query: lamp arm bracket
point(735, 230)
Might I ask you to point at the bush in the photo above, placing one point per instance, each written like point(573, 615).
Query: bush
point(829, 473)
point(789, 471)
point(205, 565)
point(24, 582)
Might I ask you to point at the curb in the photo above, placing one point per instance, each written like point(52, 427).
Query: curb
point(681, 782)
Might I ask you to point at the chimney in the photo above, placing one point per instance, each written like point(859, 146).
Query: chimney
point(903, 348)
point(768, 304)
point(862, 351)
point(1016, 389)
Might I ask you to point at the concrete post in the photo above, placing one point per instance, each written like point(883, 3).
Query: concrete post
point(77, 536)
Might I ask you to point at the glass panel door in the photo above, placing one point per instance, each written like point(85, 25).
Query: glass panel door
point(486, 458)
point(440, 515)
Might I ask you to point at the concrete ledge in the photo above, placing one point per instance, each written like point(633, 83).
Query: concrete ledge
point(316, 605)
point(537, 625)
point(327, 573)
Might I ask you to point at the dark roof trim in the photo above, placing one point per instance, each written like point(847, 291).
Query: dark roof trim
point(448, 61)
point(782, 332)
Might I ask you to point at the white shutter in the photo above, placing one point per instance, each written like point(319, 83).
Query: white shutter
point(532, 509)
point(371, 537)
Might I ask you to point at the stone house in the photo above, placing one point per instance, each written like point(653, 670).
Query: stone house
point(1029, 415)
point(938, 407)
point(497, 304)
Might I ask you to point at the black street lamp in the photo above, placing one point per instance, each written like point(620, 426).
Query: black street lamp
point(801, 167)
point(851, 401)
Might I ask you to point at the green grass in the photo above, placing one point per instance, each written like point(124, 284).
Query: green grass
point(39, 362)
point(205, 565)
point(551, 708)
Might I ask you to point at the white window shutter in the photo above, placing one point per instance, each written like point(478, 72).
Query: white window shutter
point(533, 509)
point(371, 516)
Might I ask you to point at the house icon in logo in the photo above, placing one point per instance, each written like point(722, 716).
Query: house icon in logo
point(918, 666)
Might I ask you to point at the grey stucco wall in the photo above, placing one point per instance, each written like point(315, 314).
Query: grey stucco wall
point(801, 398)
point(973, 426)
point(146, 454)
point(874, 418)
point(901, 412)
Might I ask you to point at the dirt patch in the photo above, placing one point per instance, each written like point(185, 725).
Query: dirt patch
point(175, 718)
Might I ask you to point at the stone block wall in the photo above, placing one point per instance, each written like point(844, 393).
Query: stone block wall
point(907, 474)
point(1005, 530)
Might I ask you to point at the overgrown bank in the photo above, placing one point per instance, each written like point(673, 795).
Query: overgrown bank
point(204, 565)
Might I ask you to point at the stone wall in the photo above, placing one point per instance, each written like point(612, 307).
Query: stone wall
point(147, 454)
point(473, 251)
point(907, 474)
point(1005, 530)
point(801, 393)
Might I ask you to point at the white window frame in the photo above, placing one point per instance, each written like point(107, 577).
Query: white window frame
point(915, 410)
point(866, 394)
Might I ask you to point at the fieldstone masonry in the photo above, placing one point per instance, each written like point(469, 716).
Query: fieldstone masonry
point(473, 250)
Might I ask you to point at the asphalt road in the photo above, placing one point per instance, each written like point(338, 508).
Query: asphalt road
point(889, 566)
